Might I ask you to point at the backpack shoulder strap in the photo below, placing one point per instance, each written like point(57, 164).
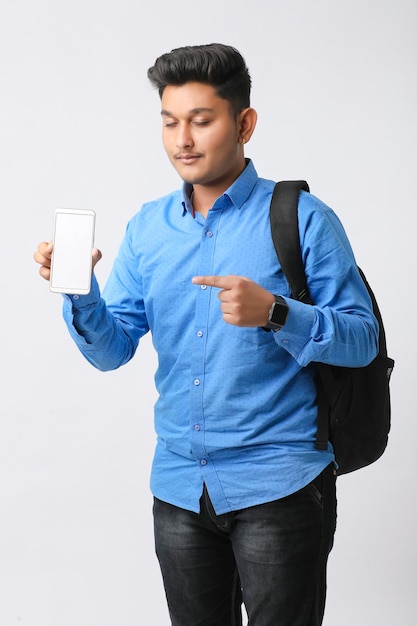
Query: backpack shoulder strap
point(286, 238)
point(285, 235)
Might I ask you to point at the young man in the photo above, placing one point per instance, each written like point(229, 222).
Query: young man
point(245, 504)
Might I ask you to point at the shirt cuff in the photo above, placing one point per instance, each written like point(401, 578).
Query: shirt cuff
point(298, 328)
point(79, 302)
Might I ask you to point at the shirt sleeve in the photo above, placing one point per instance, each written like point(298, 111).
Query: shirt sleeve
point(340, 328)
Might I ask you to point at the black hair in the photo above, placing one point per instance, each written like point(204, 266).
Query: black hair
point(215, 64)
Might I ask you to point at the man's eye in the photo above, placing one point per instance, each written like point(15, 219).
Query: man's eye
point(169, 124)
point(201, 122)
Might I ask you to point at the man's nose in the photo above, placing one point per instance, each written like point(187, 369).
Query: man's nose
point(183, 138)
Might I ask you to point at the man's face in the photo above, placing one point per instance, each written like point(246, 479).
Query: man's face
point(201, 136)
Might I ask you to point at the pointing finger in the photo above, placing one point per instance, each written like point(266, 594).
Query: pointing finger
point(221, 282)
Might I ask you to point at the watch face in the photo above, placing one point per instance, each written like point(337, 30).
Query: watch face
point(279, 313)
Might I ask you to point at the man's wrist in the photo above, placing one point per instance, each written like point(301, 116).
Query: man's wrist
point(277, 315)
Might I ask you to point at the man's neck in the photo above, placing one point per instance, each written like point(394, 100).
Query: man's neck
point(203, 198)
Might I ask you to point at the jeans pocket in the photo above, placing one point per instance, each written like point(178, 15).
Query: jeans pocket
point(314, 491)
point(317, 485)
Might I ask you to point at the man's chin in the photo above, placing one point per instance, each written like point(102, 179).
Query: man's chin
point(191, 179)
point(188, 174)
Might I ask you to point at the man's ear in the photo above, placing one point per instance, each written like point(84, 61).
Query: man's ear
point(246, 121)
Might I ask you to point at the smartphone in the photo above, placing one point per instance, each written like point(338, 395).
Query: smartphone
point(73, 242)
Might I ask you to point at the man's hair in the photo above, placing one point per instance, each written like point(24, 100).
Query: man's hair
point(214, 64)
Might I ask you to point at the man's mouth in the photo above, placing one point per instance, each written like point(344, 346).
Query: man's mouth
point(187, 158)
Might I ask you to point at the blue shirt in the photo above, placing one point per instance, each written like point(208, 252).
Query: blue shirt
point(236, 407)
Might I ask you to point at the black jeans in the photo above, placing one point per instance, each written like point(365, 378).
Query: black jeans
point(273, 557)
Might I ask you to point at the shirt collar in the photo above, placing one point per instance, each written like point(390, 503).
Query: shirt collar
point(187, 205)
point(238, 192)
point(241, 189)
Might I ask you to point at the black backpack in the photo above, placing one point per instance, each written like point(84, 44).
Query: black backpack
point(354, 409)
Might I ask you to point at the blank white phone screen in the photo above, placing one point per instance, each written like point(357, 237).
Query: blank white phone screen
point(71, 256)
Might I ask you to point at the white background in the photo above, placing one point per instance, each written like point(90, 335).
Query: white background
point(334, 84)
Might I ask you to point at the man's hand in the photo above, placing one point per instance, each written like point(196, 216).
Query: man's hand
point(243, 302)
point(43, 256)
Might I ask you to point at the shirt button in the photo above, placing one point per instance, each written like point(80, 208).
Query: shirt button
point(76, 297)
point(203, 286)
point(203, 462)
point(209, 233)
point(197, 427)
point(196, 382)
point(200, 333)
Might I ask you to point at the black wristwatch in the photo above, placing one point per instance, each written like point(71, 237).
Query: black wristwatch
point(277, 314)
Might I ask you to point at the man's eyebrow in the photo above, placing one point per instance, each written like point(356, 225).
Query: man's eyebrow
point(195, 111)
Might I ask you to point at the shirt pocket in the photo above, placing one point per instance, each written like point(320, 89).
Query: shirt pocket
point(167, 303)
